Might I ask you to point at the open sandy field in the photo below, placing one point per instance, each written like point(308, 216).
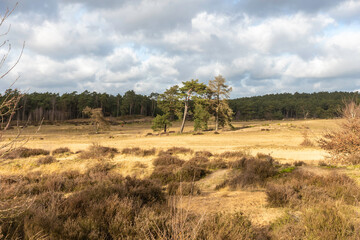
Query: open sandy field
point(280, 139)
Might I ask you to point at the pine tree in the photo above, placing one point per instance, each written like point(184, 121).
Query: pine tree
point(219, 92)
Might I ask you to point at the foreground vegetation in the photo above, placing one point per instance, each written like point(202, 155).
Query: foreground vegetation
point(99, 203)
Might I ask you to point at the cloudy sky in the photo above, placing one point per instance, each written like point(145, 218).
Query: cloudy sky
point(259, 46)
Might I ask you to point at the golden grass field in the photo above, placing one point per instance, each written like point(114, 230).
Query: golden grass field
point(281, 139)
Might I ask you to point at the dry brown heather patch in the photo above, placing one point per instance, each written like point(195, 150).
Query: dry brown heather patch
point(102, 205)
point(302, 188)
point(322, 221)
point(24, 153)
point(203, 154)
point(251, 171)
point(177, 150)
point(139, 152)
point(61, 151)
point(46, 160)
point(96, 151)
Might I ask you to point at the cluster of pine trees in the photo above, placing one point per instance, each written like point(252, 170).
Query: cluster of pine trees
point(196, 101)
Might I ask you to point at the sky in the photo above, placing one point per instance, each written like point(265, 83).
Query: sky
point(259, 46)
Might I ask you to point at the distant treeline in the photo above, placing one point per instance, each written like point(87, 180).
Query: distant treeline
point(56, 107)
point(286, 105)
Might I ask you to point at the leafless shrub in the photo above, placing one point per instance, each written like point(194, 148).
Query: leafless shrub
point(306, 142)
point(344, 142)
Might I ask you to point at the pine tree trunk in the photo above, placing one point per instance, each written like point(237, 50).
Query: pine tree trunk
point(184, 118)
point(217, 120)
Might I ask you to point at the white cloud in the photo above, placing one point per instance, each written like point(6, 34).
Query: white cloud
point(148, 45)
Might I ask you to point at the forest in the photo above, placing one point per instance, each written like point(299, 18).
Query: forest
point(59, 107)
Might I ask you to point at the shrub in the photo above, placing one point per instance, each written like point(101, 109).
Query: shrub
point(104, 206)
point(24, 153)
point(254, 172)
point(230, 226)
point(235, 154)
point(301, 187)
point(139, 152)
point(97, 151)
point(179, 150)
point(322, 221)
point(166, 159)
point(203, 154)
point(299, 163)
point(164, 174)
point(190, 172)
point(183, 188)
point(61, 150)
point(344, 142)
point(217, 163)
point(306, 142)
point(46, 160)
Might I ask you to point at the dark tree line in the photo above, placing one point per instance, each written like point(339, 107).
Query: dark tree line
point(56, 107)
point(286, 105)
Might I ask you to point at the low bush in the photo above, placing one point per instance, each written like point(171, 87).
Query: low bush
point(167, 159)
point(217, 163)
point(46, 160)
point(321, 221)
point(301, 187)
point(235, 154)
point(190, 172)
point(101, 206)
point(165, 174)
point(253, 172)
point(97, 151)
point(24, 153)
point(61, 150)
point(170, 168)
point(230, 226)
point(299, 163)
point(183, 188)
point(139, 152)
point(178, 150)
point(206, 154)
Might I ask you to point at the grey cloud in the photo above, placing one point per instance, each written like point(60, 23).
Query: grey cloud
point(263, 8)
